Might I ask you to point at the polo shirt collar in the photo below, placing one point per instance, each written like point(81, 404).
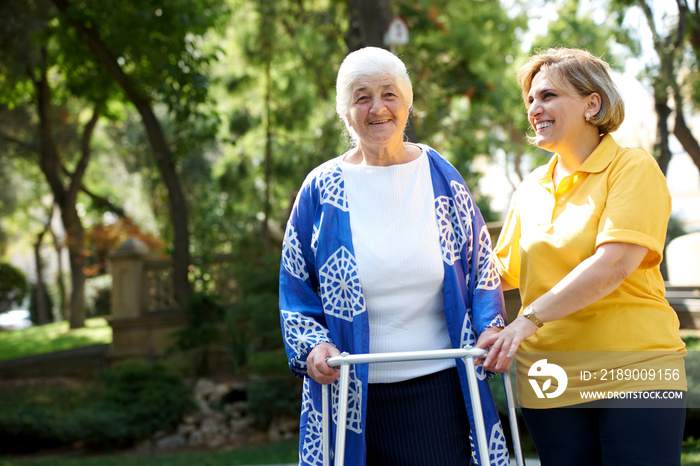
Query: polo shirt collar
point(601, 157)
point(598, 161)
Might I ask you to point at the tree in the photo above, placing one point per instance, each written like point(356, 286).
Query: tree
point(280, 121)
point(672, 78)
point(29, 73)
point(164, 66)
point(460, 57)
point(66, 196)
point(368, 20)
point(88, 27)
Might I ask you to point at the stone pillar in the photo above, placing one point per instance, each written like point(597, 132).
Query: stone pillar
point(138, 332)
point(127, 278)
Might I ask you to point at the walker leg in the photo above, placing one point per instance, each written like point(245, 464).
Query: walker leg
point(325, 426)
point(342, 415)
point(513, 418)
point(481, 438)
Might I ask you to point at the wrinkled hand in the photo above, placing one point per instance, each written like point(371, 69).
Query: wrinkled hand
point(486, 339)
point(503, 345)
point(316, 365)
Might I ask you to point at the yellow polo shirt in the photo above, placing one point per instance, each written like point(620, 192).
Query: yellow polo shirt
point(616, 195)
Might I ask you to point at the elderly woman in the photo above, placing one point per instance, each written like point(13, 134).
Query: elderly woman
point(583, 241)
point(386, 251)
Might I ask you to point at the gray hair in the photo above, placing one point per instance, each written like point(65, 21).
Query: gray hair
point(366, 62)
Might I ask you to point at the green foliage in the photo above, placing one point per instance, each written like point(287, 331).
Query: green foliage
point(273, 397)
point(13, 286)
point(35, 415)
point(147, 397)
point(131, 401)
point(276, 99)
point(270, 362)
point(204, 315)
point(33, 311)
point(460, 59)
point(252, 324)
point(248, 326)
point(575, 27)
point(499, 395)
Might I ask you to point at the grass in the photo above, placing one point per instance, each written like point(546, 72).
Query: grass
point(49, 338)
point(277, 453)
point(688, 458)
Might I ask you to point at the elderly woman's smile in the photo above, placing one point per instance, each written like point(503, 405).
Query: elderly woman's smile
point(378, 104)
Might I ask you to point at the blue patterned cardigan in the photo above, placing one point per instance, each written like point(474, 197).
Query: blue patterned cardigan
point(321, 298)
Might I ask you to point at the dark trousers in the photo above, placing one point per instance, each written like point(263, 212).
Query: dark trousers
point(422, 421)
point(595, 434)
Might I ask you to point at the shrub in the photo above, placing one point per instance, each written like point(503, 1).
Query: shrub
point(273, 397)
point(267, 363)
point(253, 324)
point(148, 397)
point(31, 416)
point(130, 401)
point(204, 315)
point(13, 286)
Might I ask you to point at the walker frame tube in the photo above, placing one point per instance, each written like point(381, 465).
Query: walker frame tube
point(468, 354)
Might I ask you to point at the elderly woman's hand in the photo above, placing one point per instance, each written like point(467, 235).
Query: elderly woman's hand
point(316, 365)
point(486, 339)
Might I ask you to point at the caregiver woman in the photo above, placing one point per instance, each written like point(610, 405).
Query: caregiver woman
point(583, 241)
point(386, 251)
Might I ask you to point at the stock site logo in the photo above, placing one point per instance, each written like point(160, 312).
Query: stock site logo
point(542, 369)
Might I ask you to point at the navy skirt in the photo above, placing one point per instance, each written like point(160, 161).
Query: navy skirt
point(422, 421)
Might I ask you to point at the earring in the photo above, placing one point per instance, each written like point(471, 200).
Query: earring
point(588, 117)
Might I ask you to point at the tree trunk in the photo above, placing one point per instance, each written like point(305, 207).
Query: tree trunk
point(662, 152)
point(161, 152)
point(667, 49)
point(75, 237)
point(685, 137)
point(60, 279)
point(176, 202)
point(51, 167)
point(42, 314)
point(368, 22)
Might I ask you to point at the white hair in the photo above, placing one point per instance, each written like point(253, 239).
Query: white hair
point(363, 63)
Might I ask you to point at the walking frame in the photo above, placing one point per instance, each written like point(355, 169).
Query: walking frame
point(468, 354)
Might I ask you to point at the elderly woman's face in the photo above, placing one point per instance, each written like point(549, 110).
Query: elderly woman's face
point(378, 111)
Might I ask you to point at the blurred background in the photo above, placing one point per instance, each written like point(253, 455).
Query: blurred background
point(150, 151)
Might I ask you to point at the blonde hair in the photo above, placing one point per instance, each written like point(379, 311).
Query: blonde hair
point(586, 73)
point(366, 62)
